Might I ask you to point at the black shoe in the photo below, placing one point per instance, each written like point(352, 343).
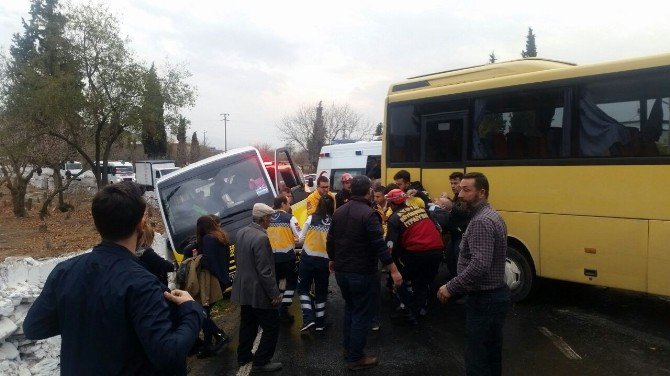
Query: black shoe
point(197, 346)
point(205, 351)
point(400, 314)
point(269, 367)
point(322, 327)
point(221, 340)
point(243, 363)
point(286, 318)
point(307, 326)
point(365, 362)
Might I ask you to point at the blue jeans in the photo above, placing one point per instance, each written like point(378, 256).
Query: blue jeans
point(484, 320)
point(361, 297)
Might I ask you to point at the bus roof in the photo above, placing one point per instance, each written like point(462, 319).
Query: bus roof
point(510, 73)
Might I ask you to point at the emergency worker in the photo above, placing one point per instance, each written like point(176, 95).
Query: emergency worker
point(344, 194)
point(314, 265)
point(283, 233)
point(322, 189)
point(381, 206)
point(414, 238)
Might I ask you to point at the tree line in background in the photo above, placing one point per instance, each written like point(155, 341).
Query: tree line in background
point(308, 129)
point(71, 88)
point(530, 51)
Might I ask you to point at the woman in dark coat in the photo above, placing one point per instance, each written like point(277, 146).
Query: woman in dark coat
point(214, 246)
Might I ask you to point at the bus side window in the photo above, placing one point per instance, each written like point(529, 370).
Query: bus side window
point(519, 126)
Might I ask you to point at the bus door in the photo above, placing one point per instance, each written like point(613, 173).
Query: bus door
point(442, 139)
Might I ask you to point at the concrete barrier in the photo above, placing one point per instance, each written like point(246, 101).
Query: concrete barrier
point(21, 281)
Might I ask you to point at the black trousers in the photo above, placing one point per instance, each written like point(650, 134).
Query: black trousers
point(209, 327)
point(250, 319)
point(420, 268)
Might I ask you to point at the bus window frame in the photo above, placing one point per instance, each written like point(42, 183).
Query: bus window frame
point(462, 115)
point(574, 83)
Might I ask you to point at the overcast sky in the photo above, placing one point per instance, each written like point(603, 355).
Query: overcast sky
point(260, 60)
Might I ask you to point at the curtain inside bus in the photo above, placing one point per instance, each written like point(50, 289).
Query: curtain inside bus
point(598, 130)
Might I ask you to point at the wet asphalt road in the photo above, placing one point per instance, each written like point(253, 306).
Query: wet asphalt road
point(568, 329)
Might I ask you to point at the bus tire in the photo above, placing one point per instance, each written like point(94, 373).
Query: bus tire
point(519, 274)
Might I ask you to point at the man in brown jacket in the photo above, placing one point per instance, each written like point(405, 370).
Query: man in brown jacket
point(255, 290)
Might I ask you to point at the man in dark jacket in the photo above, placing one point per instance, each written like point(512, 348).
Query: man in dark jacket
point(343, 196)
point(255, 290)
point(114, 316)
point(355, 243)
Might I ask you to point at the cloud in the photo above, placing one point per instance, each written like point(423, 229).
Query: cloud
point(259, 60)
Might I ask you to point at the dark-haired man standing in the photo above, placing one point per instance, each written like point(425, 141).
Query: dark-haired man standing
point(481, 277)
point(354, 244)
point(114, 316)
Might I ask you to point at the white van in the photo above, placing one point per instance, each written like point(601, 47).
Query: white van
point(70, 169)
point(118, 171)
point(357, 158)
point(148, 172)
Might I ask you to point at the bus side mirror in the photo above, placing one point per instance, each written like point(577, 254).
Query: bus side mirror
point(310, 182)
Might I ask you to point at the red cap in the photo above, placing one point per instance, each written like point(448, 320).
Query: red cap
point(346, 177)
point(396, 196)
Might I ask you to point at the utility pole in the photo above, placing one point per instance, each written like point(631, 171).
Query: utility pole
point(225, 131)
point(204, 138)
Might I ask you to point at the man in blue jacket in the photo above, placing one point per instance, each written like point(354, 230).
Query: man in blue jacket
point(114, 316)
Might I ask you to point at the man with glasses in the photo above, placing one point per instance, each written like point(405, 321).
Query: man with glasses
point(322, 189)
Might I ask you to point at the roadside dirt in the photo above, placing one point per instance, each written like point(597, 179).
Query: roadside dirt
point(59, 234)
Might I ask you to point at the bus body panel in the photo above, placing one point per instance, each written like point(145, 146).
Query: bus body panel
point(659, 257)
point(594, 250)
point(436, 181)
point(414, 173)
point(525, 228)
point(621, 191)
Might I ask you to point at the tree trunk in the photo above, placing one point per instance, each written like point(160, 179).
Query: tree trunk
point(58, 191)
point(58, 188)
point(19, 197)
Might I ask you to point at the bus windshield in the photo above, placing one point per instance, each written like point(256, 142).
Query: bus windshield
point(226, 188)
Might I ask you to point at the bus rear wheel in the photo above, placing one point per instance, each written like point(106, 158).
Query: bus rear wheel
point(519, 275)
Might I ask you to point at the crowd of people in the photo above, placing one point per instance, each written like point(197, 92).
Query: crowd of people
point(352, 234)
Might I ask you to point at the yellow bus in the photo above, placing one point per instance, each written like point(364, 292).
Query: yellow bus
point(577, 158)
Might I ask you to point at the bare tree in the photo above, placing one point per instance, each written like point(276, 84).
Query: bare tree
point(312, 127)
point(266, 150)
